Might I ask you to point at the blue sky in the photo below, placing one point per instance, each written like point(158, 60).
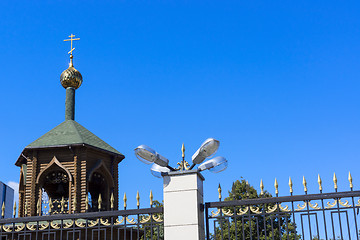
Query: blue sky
point(276, 82)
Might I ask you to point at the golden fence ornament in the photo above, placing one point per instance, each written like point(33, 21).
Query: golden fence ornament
point(261, 187)
point(50, 205)
point(62, 203)
point(99, 202)
point(38, 207)
point(350, 181)
point(276, 185)
point(125, 199)
point(74, 204)
point(14, 209)
point(219, 191)
point(320, 183)
point(151, 198)
point(86, 202)
point(290, 185)
point(335, 182)
point(25, 210)
point(137, 199)
point(3, 210)
point(112, 201)
point(305, 184)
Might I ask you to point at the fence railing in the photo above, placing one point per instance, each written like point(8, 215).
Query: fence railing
point(309, 216)
point(144, 224)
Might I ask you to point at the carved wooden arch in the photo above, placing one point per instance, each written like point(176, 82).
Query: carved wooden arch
point(22, 181)
point(100, 164)
point(53, 162)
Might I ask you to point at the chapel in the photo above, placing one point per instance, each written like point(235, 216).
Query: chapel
point(68, 169)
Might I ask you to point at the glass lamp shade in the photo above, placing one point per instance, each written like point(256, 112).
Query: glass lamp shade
point(157, 170)
point(215, 165)
point(207, 149)
point(145, 154)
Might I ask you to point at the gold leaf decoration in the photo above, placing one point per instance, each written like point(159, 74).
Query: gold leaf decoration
point(105, 222)
point(284, 209)
point(255, 210)
point(272, 209)
point(145, 219)
point(299, 207)
point(214, 214)
point(118, 222)
point(314, 206)
point(242, 212)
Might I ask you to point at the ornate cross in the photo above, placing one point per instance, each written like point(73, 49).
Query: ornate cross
point(71, 41)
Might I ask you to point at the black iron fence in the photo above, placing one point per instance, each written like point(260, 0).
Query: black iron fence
point(310, 216)
point(139, 224)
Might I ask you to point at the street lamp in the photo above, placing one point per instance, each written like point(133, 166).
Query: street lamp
point(161, 164)
point(148, 155)
point(215, 165)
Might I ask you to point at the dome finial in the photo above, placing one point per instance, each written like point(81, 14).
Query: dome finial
point(71, 80)
point(71, 77)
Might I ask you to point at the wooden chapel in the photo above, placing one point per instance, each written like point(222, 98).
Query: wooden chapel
point(68, 167)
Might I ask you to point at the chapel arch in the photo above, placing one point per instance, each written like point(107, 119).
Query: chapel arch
point(99, 181)
point(55, 182)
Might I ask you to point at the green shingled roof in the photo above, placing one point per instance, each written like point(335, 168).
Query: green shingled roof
point(69, 133)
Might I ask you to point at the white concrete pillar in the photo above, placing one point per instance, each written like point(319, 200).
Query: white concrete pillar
point(183, 212)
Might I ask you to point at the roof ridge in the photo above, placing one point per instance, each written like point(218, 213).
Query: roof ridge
point(75, 127)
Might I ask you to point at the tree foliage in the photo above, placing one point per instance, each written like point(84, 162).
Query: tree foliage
point(153, 230)
point(256, 226)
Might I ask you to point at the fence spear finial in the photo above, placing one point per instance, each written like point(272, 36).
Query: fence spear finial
point(86, 202)
point(261, 187)
point(305, 184)
point(25, 210)
point(50, 205)
point(335, 182)
point(290, 185)
point(276, 185)
point(320, 183)
point(137, 199)
point(3, 210)
point(125, 200)
point(99, 202)
point(112, 201)
point(219, 191)
point(14, 209)
point(39, 207)
point(151, 198)
point(350, 181)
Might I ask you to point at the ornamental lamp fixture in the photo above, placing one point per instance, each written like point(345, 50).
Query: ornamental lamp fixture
point(160, 164)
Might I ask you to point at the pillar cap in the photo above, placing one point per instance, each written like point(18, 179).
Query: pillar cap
point(188, 172)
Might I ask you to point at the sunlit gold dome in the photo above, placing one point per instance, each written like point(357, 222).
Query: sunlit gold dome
point(71, 77)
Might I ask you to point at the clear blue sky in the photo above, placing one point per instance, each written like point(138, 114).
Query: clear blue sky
point(277, 82)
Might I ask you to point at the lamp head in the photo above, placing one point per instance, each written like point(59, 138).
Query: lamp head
point(145, 154)
point(148, 155)
point(207, 149)
point(157, 170)
point(215, 165)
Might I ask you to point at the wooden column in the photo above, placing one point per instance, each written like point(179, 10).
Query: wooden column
point(33, 174)
point(76, 184)
point(115, 175)
point(82, 189)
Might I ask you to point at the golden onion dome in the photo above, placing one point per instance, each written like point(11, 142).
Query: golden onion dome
point(71, 77)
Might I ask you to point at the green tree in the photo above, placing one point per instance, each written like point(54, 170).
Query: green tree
point(153, 230)
point(274, 226)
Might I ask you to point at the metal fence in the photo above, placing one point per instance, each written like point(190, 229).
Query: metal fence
point(309, 216)
point(141, 224)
